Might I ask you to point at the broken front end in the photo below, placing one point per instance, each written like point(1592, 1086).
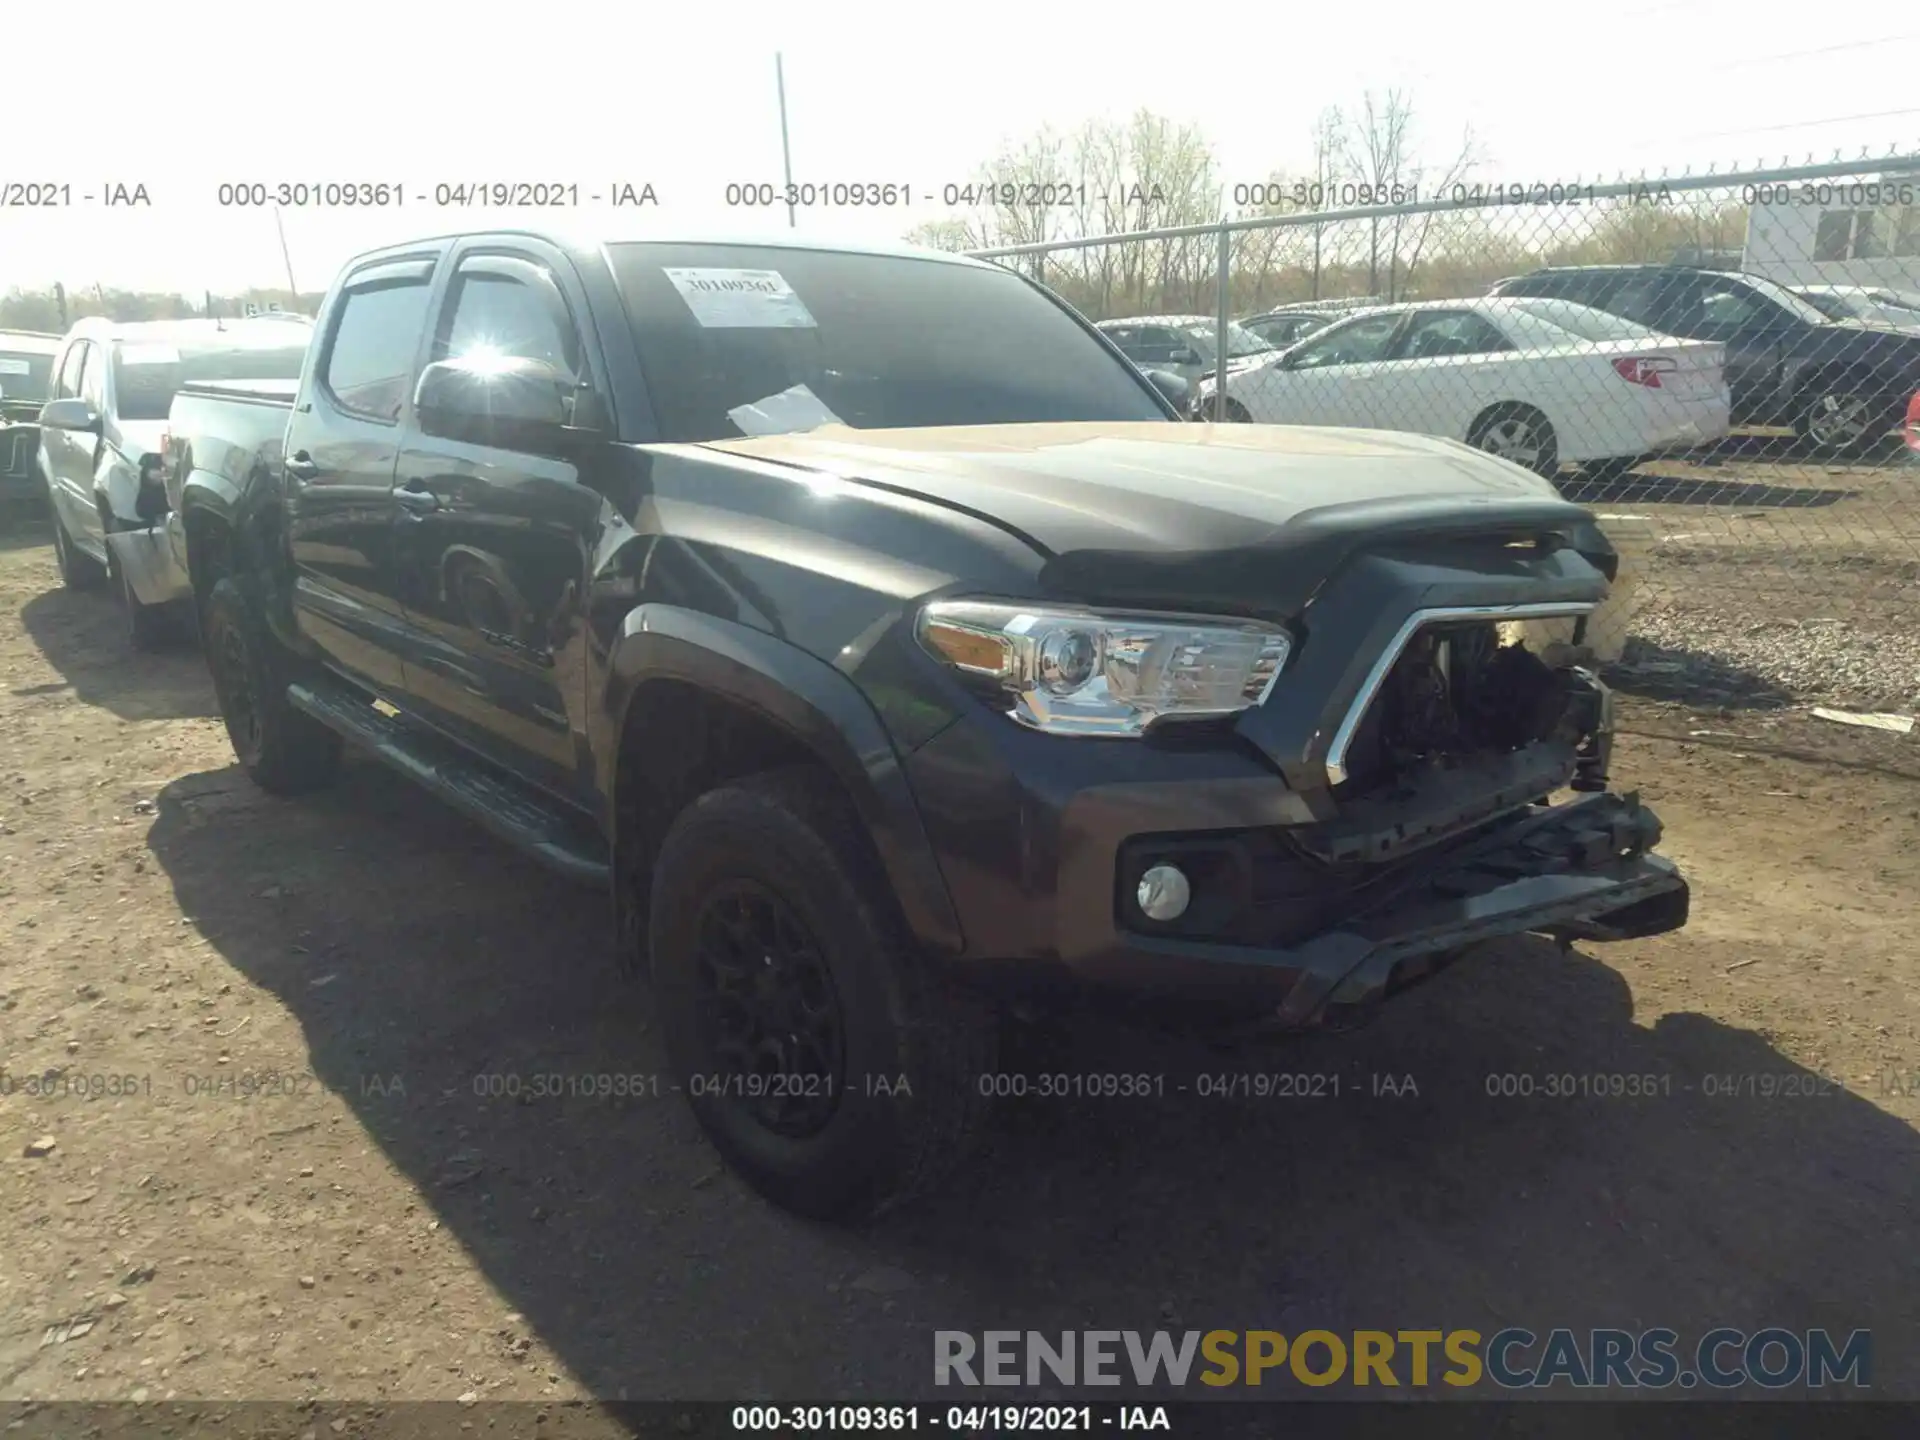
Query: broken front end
point(1418, 779)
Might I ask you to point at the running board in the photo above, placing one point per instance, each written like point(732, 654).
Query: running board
point(523, 818)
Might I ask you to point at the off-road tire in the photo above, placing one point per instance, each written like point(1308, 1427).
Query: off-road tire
point(77, 571)
point(792, 833)
point(285, 751)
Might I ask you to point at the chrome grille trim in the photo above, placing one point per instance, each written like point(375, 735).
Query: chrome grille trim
point(1376, 677)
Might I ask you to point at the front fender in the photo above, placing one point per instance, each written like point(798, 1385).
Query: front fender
point(815, 704)
point(116, 489)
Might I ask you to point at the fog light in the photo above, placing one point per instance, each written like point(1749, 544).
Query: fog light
point(1163, 893)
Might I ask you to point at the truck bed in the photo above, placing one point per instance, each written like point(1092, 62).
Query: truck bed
point(259, 392)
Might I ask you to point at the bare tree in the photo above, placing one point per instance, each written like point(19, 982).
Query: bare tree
point(1329, 165)
point(1384, 161)
point(952, 232)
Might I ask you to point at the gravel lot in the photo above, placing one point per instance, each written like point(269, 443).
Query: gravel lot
point(1766, 579)
point(379, 1226)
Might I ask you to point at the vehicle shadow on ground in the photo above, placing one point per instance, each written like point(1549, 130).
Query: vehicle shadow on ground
point(1665, 672)
point(1641, 489)
point(83, 634)
point(1787, 448)
point(1407, 1190)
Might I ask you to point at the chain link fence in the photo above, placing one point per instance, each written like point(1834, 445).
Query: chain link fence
point(1719, 366)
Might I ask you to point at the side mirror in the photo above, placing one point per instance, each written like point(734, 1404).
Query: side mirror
point(1186, 355)
point(1178, 392)
point(511, 403)
point(70, 414)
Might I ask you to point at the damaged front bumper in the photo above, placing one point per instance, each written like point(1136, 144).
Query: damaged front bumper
point(1579, 870)
point(1302, 909)
point(153, 558)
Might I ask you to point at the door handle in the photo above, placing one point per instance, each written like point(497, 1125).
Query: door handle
point(302, 466)
point(416, 497)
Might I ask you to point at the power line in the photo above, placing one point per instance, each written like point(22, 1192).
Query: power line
point(1791, 125)
point(1817, 50)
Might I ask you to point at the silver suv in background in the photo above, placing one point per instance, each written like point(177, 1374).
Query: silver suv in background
point(1183, 345)
point(102, 428)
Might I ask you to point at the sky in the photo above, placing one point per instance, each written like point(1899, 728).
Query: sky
point(183, 97)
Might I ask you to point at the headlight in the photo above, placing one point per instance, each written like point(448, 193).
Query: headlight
point(1081, 672)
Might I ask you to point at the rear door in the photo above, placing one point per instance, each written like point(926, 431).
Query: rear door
point(342, 445)
point(493, 543)
point(1446, 366)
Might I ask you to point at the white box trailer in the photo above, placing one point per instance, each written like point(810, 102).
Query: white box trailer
point(1853, 231)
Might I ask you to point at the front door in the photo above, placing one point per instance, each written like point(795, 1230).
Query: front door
point(71, 454)
point(493, 544)
point(1327, 381)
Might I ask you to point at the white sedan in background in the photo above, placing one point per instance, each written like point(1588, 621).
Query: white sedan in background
point(1543, 383)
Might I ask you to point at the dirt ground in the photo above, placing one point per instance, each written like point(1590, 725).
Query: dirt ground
point(374, 1224)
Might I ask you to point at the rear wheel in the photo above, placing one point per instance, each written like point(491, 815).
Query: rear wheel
point(1518, 433)
point(285, 751)
point(834, 1072)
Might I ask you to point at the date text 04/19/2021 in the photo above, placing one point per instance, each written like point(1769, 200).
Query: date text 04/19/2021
point(952, 1419)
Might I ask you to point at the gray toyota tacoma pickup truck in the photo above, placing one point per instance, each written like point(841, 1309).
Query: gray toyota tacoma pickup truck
point(883, 643)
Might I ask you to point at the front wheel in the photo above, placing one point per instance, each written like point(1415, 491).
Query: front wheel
point(285, 751)
point(1518, 433)
point(834, 1072)
point(1236, 412)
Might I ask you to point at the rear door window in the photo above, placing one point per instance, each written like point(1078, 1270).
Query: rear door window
point(370, 358)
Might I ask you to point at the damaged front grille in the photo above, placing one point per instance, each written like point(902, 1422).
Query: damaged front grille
point(1457, 693)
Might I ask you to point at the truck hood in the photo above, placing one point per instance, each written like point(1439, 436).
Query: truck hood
point(1140, 513)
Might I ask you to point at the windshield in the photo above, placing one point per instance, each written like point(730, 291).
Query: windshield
point(25, 374)
point(1581, 320)
point(753, 340)
point(1896, 299)
point(1240, 340)
point(145, 376)
point(1834, 307)
point(1781, 295)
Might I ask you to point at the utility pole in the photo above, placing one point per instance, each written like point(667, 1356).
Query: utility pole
point(786, 152)
point(286, 256)
point(60, 299)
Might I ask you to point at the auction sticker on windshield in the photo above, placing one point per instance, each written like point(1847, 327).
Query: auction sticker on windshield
point(10, 366)
point(740, 299)
point(149, 355)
